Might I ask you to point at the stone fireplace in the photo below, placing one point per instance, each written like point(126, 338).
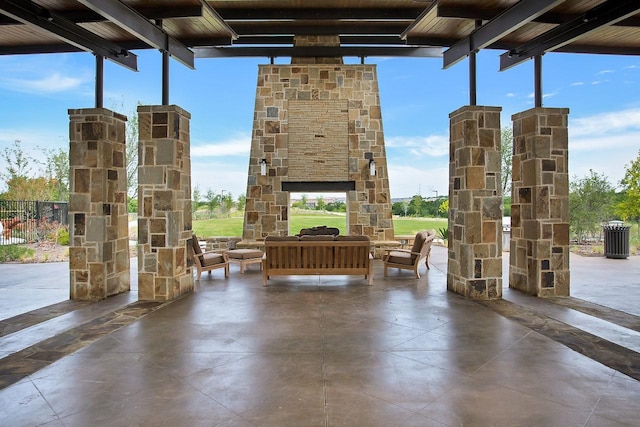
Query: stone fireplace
point(317, 128)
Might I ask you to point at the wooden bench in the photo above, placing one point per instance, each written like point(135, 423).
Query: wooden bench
point(322, 255)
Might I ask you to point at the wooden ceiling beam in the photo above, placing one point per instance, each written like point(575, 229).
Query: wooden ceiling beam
point(30, 13)
point(487, 14)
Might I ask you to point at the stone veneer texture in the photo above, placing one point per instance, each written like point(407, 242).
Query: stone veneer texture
point(352, 91)
point(164, 203)
point(539, 258)
point(475, 203)
point(99, 234)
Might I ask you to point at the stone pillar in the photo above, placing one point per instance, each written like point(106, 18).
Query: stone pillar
point(99, 243)
point(164, 203)
point(539, 253)
point(475, 203)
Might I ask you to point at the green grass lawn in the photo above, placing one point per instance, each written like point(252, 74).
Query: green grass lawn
point(233, 226)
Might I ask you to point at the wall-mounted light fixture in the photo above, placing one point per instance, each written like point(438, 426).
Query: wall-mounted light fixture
point(263, 167)
point(372, 167)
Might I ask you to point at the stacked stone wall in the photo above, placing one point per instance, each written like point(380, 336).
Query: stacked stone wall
point(353, 88)
point(99, 234)
point(475, 203)
point(539, 252)
point(165, 259)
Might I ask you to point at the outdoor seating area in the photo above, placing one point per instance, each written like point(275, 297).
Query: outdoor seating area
point(310, 350)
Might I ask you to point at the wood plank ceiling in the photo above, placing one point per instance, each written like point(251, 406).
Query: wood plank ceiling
point(365, 27)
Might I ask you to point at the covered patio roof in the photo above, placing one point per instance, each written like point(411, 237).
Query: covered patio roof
point(224, 28)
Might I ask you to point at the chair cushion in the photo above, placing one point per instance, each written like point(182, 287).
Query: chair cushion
point(421, 236)
point(319, 231)
point(211, 258)
point(397, 257)
point(244, 253)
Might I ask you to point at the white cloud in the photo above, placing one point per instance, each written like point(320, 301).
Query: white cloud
point(432, 145)
point(544, 95)
point(631, 67)
point(239, 145)
point(510, 95)
point(600, 73)
point(577, 84)
point(52, 83)
point(607, 124)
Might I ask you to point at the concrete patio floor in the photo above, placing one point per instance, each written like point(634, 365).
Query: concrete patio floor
point(322, 351)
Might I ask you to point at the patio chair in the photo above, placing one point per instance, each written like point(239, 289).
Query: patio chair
point(410, 259)
point(207, 261)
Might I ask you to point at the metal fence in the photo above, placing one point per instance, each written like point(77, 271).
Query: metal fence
point(29, 219)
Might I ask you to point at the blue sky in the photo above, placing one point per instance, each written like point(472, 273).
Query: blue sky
point(602, 93)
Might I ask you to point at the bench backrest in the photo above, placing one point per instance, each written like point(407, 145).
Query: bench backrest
point(317, 252)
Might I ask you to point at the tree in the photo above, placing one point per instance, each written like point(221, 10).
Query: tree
point(415, 206)
point(131, 154)
point(18, 163)
point(196, 196)
point(241, 203)
point(24, 188)
point(57, 170)
point(629, 207)
point(444, 207)
point(212, 202)
point(320, 204)
point(590, 202)
point(506, 156)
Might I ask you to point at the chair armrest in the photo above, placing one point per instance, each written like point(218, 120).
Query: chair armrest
point(407, 251)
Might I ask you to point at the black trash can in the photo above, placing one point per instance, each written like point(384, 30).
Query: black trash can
point(616, 240)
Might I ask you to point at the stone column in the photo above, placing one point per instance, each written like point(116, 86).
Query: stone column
point(99, 243)
point(475, 203)
point(164, 203)
point(539, 253)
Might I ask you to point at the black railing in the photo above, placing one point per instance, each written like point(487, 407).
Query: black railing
point(28, 219)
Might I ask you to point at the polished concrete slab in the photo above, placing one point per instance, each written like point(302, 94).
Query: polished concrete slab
point(327, 351)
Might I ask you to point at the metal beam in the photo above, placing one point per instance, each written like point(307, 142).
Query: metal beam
point(317, 51)
point(284, 13)
point(28, 12)
point(321, 28)
point(537, 81)
point(507, 22)
point(99, 88)
point(602, 15)
point(136, 24)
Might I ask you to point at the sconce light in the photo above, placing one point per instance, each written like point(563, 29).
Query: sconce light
point(372, 167)
point(263, 167)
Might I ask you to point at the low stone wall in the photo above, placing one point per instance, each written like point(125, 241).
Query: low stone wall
point(221, 243)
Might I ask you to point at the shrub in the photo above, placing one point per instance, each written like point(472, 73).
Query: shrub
point(443, 233)
point(10, 253)
point(62, 237)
